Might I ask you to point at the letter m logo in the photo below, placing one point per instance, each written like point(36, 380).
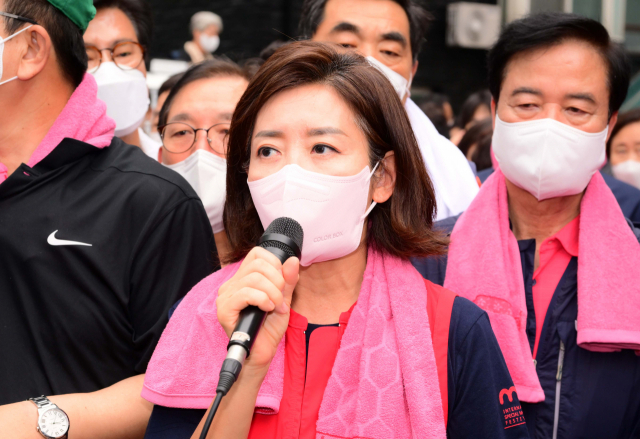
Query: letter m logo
point(508, 392)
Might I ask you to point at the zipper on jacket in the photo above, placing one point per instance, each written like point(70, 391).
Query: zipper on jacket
point(556, 415)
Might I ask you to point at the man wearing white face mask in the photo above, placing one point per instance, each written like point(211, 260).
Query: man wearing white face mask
point(544, 248)
point(93, 245)
point(193, 124)
point(389, 34)
point(116, 42)
point(206, 28)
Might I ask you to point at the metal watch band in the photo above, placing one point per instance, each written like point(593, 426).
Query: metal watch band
point(41, 401)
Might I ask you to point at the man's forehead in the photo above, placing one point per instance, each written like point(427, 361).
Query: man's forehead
point(571, 63)
point(369, 16)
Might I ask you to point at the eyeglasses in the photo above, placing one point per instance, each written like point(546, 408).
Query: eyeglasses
point(17, 17)
point(126, 55)
point(179, 137)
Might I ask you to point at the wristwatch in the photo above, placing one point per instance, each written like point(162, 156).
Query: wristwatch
point(53, 423)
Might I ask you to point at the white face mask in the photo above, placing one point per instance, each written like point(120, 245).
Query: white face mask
point(399, 82)
point(2, 54)
point(548, 158)
point(209, 43)
point(628, 171)
point(207, 175)
point(331, 210)
point(126, 94)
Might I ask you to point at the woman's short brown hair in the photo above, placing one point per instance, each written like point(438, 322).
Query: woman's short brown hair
point(401, 226)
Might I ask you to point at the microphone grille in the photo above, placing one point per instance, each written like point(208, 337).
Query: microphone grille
point(288, 227)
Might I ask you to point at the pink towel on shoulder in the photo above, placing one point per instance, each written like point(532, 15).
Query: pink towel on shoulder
point(384, 382)
point(484, 266)
point(84, 118)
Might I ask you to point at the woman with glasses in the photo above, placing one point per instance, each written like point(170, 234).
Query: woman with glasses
point(116, 42)
point(194, 123)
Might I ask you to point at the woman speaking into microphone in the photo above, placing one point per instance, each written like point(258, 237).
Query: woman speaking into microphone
point(355, 343)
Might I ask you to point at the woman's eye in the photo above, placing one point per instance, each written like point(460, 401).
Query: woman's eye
point(266, 151)
point(180, 134)
point(322, 149)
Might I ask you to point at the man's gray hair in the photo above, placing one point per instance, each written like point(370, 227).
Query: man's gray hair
point(202, 20)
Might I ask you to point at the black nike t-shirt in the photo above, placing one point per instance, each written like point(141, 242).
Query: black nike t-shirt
point(96, 245)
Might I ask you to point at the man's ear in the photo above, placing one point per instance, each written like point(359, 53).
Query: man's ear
point(37, 54)
point(612, 123)
point(414, 69)
point(385, 179)
point(160, 155)
point(494, 108)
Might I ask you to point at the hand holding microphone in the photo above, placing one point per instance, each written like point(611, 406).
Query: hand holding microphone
point(262, 281)
point(254, 305)
point(263, 284)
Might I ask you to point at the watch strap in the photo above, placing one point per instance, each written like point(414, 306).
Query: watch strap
point(41, 401)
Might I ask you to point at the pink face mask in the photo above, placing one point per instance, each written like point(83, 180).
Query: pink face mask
point(331, 210)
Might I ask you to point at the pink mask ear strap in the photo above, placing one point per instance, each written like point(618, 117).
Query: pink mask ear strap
point(373, 203)
point(374, 170)
point(371, 206)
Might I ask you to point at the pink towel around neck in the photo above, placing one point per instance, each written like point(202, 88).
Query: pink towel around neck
point(484, 266)
point(382, 386)
point(84, 118)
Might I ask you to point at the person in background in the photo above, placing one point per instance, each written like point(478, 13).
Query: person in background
point(163, 93)
point(389, 33)
point(206, 28)
point(438, 109)
point(342, 159)
point(476, 107)
point(544, 247)
point(194, 125)
point(94, 247)
point(623, 149)
point(116, 42)
point(476, 144)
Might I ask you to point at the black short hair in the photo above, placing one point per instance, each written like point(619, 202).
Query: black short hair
point(66, 36)
point(138, 11)
point(170, 83)
point(470, 105)
point(203, 70)
point(313, 14)
point(549, 29)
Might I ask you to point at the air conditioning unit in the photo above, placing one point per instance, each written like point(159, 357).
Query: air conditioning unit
point(473, 25)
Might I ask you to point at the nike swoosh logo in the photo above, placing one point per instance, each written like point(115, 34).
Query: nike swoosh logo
point(52, 240)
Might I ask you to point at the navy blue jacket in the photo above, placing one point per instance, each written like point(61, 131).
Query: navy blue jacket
point(599, 392)
point(628, 197)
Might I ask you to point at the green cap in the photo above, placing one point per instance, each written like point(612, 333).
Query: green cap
point(81, 12)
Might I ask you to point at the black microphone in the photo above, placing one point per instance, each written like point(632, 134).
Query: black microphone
point(283, 238)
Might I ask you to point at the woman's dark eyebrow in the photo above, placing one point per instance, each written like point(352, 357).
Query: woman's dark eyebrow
point(324, 131)
point(270, 134)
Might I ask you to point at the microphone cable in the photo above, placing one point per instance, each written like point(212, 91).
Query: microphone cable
point(212, 413)
point(283, 238)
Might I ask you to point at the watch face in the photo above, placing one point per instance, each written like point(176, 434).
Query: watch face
point(54, 423)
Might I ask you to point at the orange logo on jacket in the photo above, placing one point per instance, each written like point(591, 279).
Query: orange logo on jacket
point(508, 392)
